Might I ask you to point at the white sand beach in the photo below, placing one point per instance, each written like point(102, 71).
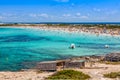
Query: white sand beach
point(92, 30)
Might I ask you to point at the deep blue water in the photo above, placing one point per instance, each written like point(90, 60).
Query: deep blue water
point(21, 48)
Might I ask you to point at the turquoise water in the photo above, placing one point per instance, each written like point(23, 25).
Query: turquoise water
point(21, 48)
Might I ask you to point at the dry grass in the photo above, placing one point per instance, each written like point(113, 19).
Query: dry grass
point(112, 75)
point(108, 62)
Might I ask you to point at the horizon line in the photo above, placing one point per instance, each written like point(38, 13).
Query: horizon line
point(92, 22)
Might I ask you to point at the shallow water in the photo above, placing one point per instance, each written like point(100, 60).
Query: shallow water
point(20, 47)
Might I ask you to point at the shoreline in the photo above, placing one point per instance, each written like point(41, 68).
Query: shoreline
point(94, 31)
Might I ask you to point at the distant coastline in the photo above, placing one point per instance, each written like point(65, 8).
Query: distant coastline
point(95, 28)
point(60, 22)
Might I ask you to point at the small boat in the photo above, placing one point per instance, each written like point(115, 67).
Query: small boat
point(72, 46)
point(106, 46)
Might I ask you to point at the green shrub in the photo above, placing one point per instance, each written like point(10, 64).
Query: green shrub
point(112, 75)
point(69, 74)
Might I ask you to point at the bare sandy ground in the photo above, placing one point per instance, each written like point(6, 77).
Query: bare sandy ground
point(96, 74)
point(25, 75)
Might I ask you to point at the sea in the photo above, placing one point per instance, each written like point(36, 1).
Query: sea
point(22, 48)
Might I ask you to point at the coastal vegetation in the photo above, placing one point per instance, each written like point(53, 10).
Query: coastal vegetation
point(69, 74)
point(112, 75)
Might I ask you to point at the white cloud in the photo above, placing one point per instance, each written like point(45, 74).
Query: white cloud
point(43, 15)
point(62, 0)
point(1, 17)
point(39, 15)
point(96, 9)
point(84, 17)
point(112, 12)
point(78, 14)
point(80, 17)
point(33, 15)
point(66, 15)
point(9, 16)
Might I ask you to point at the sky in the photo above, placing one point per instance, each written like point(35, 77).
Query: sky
point(59, 10)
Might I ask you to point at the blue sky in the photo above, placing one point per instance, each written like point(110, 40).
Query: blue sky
point(59, 10)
